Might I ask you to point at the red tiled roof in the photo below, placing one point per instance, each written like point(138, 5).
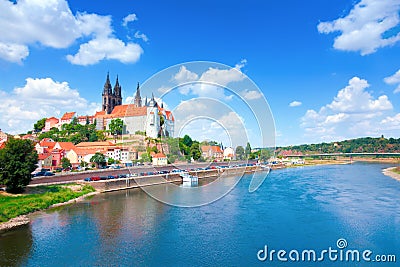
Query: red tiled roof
point(66, 145)
point(169, 116)
point(52, 119)
point(95, 144)
point(2, 145)
point(68, 115)
point(215, 149)
point(100, 113)
point(127, 111)
point(43, 156)
point(87, 151)
point(159, 155)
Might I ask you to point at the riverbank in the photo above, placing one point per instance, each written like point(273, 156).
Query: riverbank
point(393, 172)
point(15, 209)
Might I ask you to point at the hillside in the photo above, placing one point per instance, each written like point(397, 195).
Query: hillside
point(359, 145)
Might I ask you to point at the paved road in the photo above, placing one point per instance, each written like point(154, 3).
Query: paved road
point(67, 177)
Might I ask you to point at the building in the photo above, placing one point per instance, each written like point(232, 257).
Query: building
point(159, 159)
point(3, 136)
point(111, 98)
point(50, 123)
point(45, 160)
point(229, 153)
point(212, 152)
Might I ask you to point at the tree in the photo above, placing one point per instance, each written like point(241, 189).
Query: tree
point(265, 154)
point(116, 126)
point(84, 164)
point(239, 152)
point(39, 125)
point(247, 151)
point(99, 159)
point(195, 152)
point(110, 161)
point(65, 163)
point(187, 141)
point(18, 160)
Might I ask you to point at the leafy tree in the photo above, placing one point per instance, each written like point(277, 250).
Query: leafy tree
point(146, 157)
point(116, 126)
point(247, 151)
point(110, 161)
point(239, 152)
point(39, 125)
point(84, 164)
point(18, 160)
point(187, 141)
point(195, 152)
point(65, 163)
point(265, 154)
point(99, 159)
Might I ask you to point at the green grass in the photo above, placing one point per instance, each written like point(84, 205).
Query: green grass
point(13, 206)
point(397, 170)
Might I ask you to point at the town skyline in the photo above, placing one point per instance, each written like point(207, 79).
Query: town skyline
point(326, 77)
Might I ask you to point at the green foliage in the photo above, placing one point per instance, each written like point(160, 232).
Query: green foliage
point(195, 152)
point(39, 125)
point(99, 159)
point(17, 161)
point(13, 206)
point(140, 133)
point(247, 150)
point(116, 126)
point(359, 145)
point(146, 157)
point(75, 133)
point(265, 154)
point(239, 152)
point(110, 161)
point(187, 141)
point(84, 164)
point(65, 163)
point(171, 158)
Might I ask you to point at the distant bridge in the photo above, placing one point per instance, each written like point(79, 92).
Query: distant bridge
point(344, 155)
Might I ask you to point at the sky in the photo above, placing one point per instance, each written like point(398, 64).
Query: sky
point(329, 70)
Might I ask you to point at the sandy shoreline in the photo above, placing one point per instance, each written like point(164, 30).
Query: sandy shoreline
point(24, 219)
point(389, 172)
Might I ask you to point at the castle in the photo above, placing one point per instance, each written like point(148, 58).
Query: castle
point(149, 117)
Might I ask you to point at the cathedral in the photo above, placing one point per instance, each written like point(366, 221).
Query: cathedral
point(149, 117)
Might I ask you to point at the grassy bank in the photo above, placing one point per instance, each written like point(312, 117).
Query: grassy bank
point(396, 170)
point(43, 197)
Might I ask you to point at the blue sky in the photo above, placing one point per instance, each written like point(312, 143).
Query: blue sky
point(337, 62)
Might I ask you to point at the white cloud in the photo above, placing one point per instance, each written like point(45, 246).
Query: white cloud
point(295, 104)
point(251, 94)
point(365, 28)
point(392, 123)
point(394, 79)
point(37, 99)
point(354, 98)
point(52, 24)
point(354, 112)
point(142, 36)
point(129, 18)
point(109, 48)
point(184, 76)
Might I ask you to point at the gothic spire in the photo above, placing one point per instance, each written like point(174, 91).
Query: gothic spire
point(138, 98)
point(107, 90)
point(117, 88)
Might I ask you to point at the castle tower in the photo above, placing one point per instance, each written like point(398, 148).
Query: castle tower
point(138, 98)
point(117, 94)
point(108, 96)
point(153, 120)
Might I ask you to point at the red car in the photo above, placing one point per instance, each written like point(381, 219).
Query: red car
point(95, 178)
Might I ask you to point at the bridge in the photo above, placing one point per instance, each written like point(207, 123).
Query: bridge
point(344, 155)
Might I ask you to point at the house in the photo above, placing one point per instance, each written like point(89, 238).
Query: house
point(50, 123)
point(45, 160)
point(45, 145)
point(229, 153)
point(83, 120)
point(212, 152)
point(159, 159)
point(2, 145)
point(67, 118)
point(30, 137)
point(66, 146)
point(3, 136)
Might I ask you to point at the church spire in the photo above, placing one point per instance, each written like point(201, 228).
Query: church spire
point(107, 90)
point(117, 88)
point(138, 98)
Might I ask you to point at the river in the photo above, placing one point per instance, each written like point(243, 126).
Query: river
point(308, 208)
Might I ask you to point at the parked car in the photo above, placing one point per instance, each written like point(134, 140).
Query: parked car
point(38, 174)
point(48, 174)
point(111, 177)
point(103, 177)
point(122, 176)
point(95, 178)
point(87, 179)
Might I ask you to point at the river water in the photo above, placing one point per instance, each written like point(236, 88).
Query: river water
point(308, 208)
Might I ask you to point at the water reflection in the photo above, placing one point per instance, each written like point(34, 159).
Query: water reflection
point(15, 246)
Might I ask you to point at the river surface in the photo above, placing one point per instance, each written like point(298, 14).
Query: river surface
point(307, 208)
